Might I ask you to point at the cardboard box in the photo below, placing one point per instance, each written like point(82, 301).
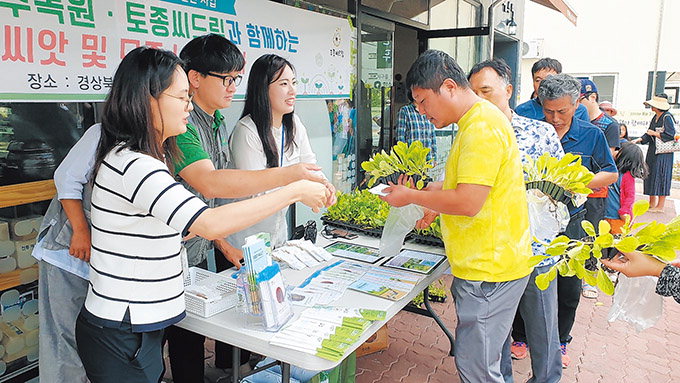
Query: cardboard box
point(378, 342)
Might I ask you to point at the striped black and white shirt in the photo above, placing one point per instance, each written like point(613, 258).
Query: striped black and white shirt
point(139, 215)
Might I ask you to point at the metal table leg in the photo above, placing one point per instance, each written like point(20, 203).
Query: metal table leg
point(285, 372)
point(430, 313)
point(235, 365)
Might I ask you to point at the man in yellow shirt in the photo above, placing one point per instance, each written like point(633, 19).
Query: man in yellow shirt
point(483, 205)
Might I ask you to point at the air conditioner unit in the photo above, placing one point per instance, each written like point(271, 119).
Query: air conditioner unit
point(532, 49)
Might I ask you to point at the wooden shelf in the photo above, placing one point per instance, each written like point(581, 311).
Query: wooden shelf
point(12, 279)
point(29, 192)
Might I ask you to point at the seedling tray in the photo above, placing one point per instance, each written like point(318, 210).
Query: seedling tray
point(394, 178)
point(426, 240)
point(373, 232)
point(552, 190)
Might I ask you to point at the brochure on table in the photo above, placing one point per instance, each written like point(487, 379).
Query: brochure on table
point(389, 284)
point(354, 251)
point(416, 261)
point(327, 285)
point(327, 332)
point(261, 286)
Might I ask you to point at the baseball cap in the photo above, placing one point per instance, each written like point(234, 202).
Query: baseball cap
point(588, 86)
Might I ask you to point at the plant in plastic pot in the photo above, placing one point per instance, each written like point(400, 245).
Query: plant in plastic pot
point(561, 179)
point(410, 160)
point(437, 292)
point(582, 257)
point(434, 230)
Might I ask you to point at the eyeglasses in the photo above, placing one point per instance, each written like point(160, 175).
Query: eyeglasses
point(227, 80)
point(185, 99)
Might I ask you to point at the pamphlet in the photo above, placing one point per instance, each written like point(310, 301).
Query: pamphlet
point(389, 284)
point(353, 251)
point(417, 261)
point(260, 284)
point(328, 284)
point(256, 254)
point(275, 305)
point(327, 332)
point(300, 254)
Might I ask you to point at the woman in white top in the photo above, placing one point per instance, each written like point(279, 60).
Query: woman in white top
point(270, 134)
point(139, 215)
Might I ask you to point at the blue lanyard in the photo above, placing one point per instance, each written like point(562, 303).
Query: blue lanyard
point(283, 135)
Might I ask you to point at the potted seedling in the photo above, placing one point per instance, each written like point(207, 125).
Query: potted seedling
point(561, 179)
point(436, 293)
point(410, 160)
point(582, 257)
point(432, 235)
point(360, 210)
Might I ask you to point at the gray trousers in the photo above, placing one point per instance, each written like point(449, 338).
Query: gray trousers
point(539, 311)
point(61, 296)
point(485, 312)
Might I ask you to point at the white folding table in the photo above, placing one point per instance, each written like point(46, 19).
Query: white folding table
point(230, 326)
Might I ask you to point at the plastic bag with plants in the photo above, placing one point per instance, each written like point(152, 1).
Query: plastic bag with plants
point(581, 257)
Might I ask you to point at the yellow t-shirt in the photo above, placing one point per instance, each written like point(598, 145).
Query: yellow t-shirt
point(495, 244)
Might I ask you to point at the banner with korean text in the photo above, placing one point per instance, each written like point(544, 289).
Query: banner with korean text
point(68, 50)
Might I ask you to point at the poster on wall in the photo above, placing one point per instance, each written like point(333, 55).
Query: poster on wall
point(68, 50)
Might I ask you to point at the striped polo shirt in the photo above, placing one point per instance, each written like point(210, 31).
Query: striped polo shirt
point(139, 215)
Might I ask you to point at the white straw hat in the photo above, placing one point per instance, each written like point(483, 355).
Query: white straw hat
point(660, 103)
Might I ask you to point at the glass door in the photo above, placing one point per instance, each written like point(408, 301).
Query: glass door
point(375, 105)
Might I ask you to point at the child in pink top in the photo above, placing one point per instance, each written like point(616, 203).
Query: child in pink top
point(631, 165)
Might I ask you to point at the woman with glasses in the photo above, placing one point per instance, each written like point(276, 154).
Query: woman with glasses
point(139, 216)
point(270, 134)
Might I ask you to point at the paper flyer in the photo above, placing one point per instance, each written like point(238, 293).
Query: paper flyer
point(389, 284)
point(416, 261)
point(353, 251)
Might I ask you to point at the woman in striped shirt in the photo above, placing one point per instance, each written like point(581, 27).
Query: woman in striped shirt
point(139, 215)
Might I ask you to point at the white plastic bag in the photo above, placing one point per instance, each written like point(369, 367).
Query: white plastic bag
point(400, 222)
point(636, 302)
point(546, 218)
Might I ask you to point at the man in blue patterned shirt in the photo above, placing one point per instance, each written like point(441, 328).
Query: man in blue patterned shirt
point(413, 126)
point(538, 308)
